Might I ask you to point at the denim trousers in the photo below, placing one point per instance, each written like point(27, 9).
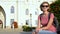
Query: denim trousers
point(46, 32)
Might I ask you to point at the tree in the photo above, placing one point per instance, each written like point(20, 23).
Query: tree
point(55, 8)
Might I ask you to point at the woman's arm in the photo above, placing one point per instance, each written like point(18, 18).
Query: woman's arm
point(50, 22)
point(38, 25)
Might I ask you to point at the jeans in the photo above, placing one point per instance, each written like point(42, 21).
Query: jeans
point(46, 32)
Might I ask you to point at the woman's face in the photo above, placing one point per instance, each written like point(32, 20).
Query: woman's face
point(45, 7)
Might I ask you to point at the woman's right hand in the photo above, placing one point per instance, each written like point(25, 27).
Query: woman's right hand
point(37, 29)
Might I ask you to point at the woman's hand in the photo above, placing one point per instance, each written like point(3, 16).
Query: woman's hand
point(37, 29)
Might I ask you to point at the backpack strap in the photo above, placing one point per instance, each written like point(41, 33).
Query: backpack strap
point(54, 20)
point(41, 16)
point(49, 19)
point(49, 16)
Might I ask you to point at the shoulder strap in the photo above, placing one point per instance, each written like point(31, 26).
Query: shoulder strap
point(41, 16)
point(54, 20)
point(49, 16)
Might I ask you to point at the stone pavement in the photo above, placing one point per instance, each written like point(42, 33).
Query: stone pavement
point(13, 31)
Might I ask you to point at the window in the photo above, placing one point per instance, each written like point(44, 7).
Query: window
point(12, 9)
point(27, 11)
point(12, 20)
point(27, 22)
point(35, 12)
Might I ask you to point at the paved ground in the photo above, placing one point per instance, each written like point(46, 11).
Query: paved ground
point(15, 33)
point(11, 31)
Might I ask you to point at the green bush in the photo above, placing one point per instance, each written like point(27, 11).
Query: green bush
point(55, 8)
point(27, 28)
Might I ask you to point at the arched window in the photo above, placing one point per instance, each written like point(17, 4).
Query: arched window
point(12, 9)
point(27, 22)
point(27, 11)
point(36, 13)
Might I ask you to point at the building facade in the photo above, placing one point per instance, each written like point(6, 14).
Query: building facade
point(20, 11)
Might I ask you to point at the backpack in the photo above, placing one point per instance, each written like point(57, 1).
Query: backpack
point(55, 21)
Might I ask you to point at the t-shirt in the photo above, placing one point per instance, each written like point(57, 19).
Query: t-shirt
point(44, 20)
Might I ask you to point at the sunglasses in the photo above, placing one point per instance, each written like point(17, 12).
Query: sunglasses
point(45, 6)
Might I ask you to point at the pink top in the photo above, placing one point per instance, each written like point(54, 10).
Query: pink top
point(44, 20)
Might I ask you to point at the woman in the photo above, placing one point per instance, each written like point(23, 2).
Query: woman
point(43, 20)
